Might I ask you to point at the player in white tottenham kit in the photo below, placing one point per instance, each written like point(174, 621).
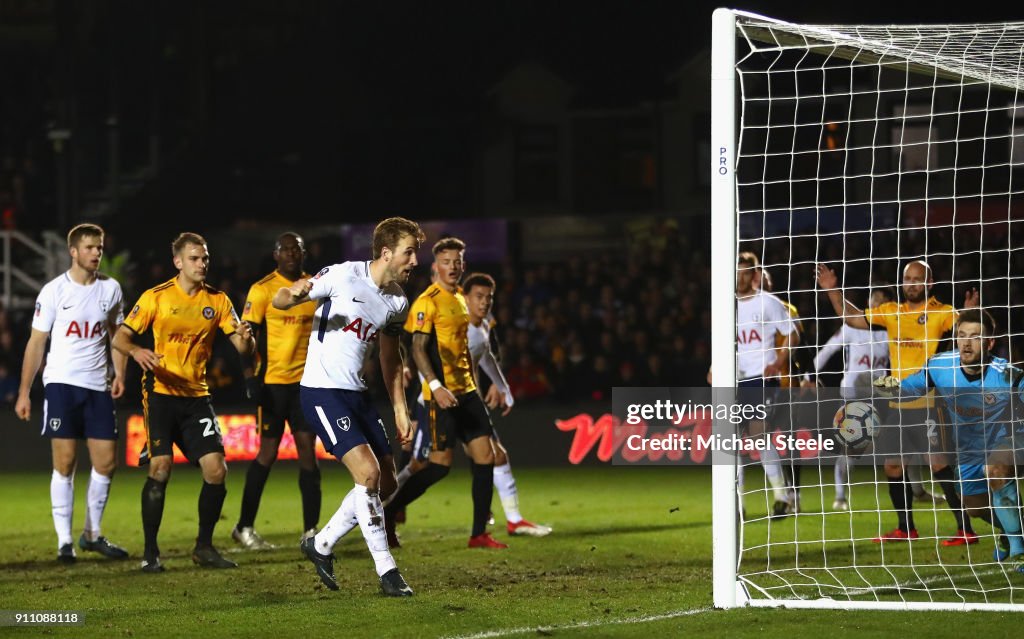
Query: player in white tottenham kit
point(478, 289)
point(760, 316)
point(865, 356)
point(359, 303)
point(78, 311)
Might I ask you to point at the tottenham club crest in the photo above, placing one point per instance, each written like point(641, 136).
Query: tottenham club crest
point(55, 424)
point(208, 312)
point(345, 423)
point(104, 306)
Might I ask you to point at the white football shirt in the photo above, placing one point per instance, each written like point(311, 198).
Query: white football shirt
point(758, 319)
point(867, 356)
point(351, 312)
point(483, 357)
point(78, 319)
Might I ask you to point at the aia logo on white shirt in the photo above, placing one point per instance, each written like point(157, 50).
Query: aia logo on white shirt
point(83, 330)
point(362, 329)
point(873, 363)
point(749, 336)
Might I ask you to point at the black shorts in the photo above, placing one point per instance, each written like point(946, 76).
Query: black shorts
point(188, 422)
point(280, 403)
point(912, 432)
point(464, 422)
point(757, 391)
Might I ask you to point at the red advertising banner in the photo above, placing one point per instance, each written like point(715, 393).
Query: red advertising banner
point(241, 440)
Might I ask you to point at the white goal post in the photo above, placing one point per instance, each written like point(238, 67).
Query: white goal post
point(863, 147)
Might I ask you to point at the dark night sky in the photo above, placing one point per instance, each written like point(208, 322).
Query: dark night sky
point(362, 92)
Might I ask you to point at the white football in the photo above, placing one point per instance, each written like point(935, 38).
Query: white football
point(856, 424)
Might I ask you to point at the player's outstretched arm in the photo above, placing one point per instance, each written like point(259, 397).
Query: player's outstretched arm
point(289, 296)
point(393, 369)
point(828, 282)
point(145, 358)
point(34, 351)
point(443, 396)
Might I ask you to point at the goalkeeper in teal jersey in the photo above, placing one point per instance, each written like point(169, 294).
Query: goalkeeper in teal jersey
point(983, 395)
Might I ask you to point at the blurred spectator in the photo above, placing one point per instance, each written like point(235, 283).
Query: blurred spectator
point(527, 379)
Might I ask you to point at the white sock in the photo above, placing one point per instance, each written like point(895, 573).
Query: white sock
point(506, 485)
point(340, 524)
point(739, 478)
point(842, 475)
point(773, 470)
point(370, 513)
point(96, 502)
point(62, 503)
point(914, 477)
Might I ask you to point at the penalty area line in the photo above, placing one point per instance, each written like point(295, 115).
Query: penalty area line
point(509, 632)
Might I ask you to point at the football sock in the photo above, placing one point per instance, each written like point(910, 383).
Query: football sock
point(507, 492)
point(153, 493)
point(402, 477)
point(339, 525)
point(773, 470)
point(96, 502)
point(309, 489)
point(483, 491)
point(947, 480)
point(211, 501)
point(1004, 502)
point(913, 474)
point(370, 513)
point(842, 474)
point(902, 495)
point(62, 504)
point(404, 457)
point(739, 478)
point(416, 486)
point(255, 480)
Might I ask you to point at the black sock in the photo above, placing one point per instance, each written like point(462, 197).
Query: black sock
point(902, 495)
point(483, 491)
point(404, 457)
point(211, 501)
point(255, 480)
point(796, 476)
point(153, 493)
point(947, 480)
point(309, 488)
point(414, 487)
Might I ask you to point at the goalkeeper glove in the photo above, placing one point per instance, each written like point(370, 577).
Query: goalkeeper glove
point(254, 389)
point(887, 385)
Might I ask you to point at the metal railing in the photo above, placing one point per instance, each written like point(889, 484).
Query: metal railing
point(26, 265)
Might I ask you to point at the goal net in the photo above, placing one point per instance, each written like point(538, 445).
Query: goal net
point(864, 148)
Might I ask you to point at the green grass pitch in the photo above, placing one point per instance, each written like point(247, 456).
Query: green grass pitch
point(630, 557)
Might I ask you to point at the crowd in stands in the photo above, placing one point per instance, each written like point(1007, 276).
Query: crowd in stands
point(571, 330)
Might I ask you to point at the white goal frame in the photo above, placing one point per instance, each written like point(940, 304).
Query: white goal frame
point(729, 590)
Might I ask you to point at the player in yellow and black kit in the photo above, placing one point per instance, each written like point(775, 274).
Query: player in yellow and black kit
point(184, 315)
point(439, 323)
point(915, 329)
point(282, 338)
